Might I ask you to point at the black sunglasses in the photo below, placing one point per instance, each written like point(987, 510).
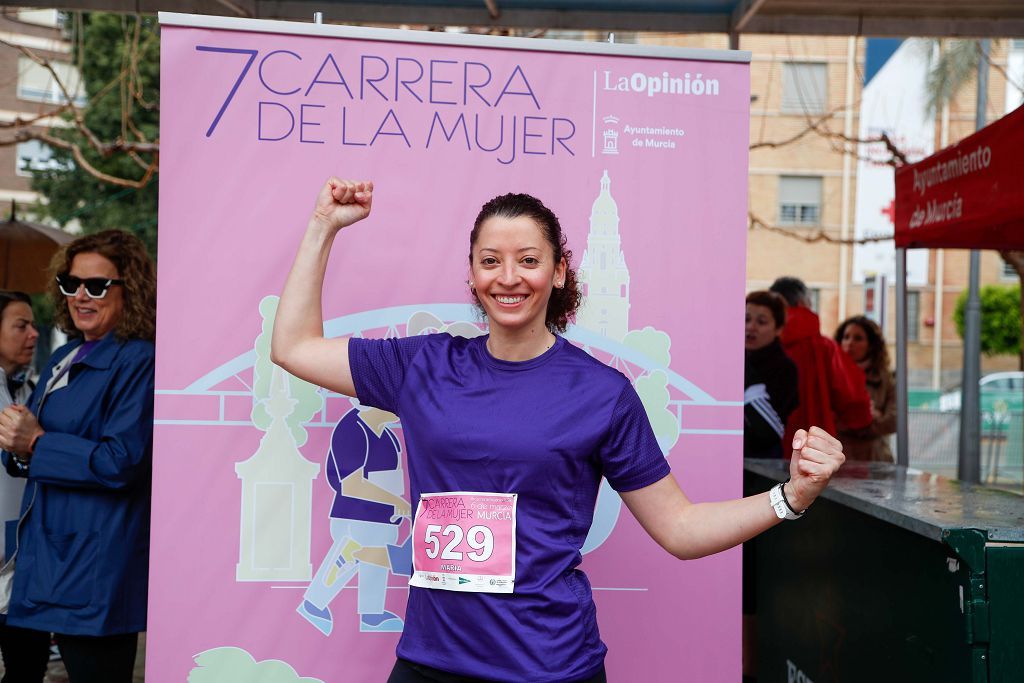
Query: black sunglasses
point(95, 287)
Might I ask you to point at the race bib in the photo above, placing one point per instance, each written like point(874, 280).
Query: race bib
point(465, 541)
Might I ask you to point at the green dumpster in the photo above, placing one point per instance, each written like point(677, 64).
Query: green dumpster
point(893, 575)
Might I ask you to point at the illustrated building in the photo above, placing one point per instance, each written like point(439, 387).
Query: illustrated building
point(611, 136)
point(603, 272)
point(277, 490)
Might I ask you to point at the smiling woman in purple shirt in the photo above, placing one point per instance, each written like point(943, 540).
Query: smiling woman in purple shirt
point(521, 425)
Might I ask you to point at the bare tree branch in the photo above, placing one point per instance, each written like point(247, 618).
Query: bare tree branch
point(136, 80)
point(895, 151)
point(812, 127)
point(24, 132)
point(105, 149)
point(820, 127)
point(809, 236)
point(139, 161)
point(80, 159)
point(20, 122)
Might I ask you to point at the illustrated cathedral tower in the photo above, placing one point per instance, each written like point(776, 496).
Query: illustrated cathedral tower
point(277, 489)
point(603, 272)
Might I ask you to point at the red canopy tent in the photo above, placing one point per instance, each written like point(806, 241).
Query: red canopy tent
point(967, 196)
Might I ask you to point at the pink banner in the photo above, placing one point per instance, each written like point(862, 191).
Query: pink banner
point(643, 156)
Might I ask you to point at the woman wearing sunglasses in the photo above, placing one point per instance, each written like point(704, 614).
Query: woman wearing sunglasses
point(84, 443)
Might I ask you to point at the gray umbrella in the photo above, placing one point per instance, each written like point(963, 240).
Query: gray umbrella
point(25, 252)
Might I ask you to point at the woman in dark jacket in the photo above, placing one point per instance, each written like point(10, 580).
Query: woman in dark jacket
point(84, 442)
point(769, 377)
point(770, 394)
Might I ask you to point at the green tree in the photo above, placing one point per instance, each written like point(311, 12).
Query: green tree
point(103, 179)
point(949, 70)
point(1016, 259)
point(1000, 319)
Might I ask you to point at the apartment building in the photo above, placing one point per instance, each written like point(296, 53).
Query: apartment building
point(807, 99)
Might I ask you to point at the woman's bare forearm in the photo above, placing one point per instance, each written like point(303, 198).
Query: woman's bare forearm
point(297, 343)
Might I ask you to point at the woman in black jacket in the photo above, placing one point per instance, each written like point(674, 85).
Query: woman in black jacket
point(769, 377)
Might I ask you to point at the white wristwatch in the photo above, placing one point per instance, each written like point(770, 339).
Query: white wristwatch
point(782, 508)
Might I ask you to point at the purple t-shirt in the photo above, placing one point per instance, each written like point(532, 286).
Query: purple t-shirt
point(546, 429)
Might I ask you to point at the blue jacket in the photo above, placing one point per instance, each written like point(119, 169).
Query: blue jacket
point(83, 539)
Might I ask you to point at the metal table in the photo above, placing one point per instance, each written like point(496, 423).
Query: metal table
point(894, 574)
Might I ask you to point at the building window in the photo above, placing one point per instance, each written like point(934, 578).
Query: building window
point(1008, 272)
point(799, 200)
point(815, 295)
point(804, 88)
point(913, 316)
point(33, 155)
point(37, 84)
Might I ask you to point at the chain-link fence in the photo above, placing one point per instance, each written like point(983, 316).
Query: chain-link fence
point(934, 438)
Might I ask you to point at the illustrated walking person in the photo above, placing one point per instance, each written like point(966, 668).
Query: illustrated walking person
point(364, 467)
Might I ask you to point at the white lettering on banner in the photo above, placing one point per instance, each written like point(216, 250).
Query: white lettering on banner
point(795, 675)
point(937, 212)
point(951, 169)
point(653, 130)
point(663, 84)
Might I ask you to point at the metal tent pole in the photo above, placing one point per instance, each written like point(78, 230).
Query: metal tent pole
point(969, 465)
point(902, 444)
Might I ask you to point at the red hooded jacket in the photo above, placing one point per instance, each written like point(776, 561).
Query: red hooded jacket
point(832, 389)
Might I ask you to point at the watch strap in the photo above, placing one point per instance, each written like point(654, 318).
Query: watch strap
point(777, 498)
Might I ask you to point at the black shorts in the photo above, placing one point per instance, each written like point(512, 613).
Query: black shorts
point(408, 672)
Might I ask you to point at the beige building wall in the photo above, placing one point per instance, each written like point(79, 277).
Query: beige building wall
point(787, 144)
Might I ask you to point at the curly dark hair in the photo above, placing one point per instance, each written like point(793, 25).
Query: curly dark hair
point(565, 300)
point(878, 354)
point(134, 266)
